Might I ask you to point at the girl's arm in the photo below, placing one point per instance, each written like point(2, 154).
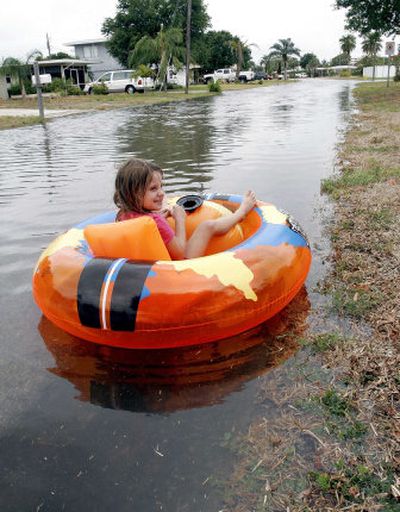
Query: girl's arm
point(177, 245)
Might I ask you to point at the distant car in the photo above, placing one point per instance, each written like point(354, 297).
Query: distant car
point(260, 75)
point(121, 81)
point(301, 75)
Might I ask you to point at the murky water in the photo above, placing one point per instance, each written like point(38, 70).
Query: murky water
point(84, 427)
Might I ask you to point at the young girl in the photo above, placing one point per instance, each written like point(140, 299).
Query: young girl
point(138, 191)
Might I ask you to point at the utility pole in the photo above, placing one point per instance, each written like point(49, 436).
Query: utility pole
point(39, 90)
point(48, 44)
point(188, 23)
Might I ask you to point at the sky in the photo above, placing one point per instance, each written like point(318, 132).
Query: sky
point(313, 25)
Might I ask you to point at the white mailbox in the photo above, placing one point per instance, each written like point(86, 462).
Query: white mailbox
point(44, 79)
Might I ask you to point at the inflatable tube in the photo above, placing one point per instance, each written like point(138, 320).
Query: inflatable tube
point(116, 294)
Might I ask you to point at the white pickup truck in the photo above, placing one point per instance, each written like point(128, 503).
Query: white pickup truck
point(224, 74)
point(121, 81)
point(246, 76)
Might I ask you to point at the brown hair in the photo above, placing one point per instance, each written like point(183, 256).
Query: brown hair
point(131, 182)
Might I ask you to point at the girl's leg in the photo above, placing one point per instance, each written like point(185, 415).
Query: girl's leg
point(197, 244)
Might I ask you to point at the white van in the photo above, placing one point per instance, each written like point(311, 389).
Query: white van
point(121, 81)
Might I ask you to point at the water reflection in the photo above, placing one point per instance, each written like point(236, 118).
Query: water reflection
point(161, 381)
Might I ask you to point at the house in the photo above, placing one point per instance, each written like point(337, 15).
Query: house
point(96, 51)
point(67, 69)
point(335, 70)
point(3, 88)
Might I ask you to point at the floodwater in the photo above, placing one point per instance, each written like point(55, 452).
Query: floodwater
point(84, 427)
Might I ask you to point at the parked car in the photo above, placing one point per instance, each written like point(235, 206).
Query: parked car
point(121, 81)
point(224, 74)
point(246, 76)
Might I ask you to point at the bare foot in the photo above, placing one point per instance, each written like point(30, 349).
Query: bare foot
point(248, 203)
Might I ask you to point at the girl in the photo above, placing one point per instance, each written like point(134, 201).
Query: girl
point(138, 191)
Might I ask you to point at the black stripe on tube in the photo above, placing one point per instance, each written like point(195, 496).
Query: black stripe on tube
point(126, 294)
point(89, 290)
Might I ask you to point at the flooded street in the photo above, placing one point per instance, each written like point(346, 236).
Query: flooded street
point(84, 427)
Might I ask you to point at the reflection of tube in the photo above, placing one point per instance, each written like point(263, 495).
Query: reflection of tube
point(173, 379)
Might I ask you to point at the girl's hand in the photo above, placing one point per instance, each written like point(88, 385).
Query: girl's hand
point(178, 213)
point(166, 211)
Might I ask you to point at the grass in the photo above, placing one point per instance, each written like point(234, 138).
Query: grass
point(17, 122)
point(357, 178)
point(377, 97)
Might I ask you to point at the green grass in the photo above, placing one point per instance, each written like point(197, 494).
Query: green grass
point(323, 342)
point(353, 303)
point(7, 122)
point(358, 177)
point(379, 97)
point(352, 484)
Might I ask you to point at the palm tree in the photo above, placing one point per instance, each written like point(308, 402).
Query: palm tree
point(239, 47)
point(371, 45)
point(283, 49)
point(347, 44)
point(16, 69)
point(166, 49)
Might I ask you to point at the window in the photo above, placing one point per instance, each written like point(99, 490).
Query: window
point(90, 51)
point(121, 75)
point(104, 78)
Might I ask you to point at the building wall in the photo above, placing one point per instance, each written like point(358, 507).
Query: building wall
point(3, 88)
point(380, 71)
point(97, 51)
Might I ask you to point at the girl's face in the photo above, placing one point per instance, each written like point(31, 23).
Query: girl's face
point(154, 194)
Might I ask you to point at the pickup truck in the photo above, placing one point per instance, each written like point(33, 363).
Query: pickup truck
point(246, 76)
point(121, 81)
point(224, 74)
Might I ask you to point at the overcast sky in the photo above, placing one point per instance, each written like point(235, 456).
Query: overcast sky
point(313, 25)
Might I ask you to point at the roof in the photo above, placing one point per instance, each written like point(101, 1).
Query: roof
point(66, 62)
point(87, 41)
point(336, 68)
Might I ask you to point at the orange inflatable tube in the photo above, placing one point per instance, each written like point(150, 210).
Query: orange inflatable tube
point(114, 283)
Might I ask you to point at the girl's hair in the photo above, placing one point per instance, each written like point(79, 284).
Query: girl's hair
point(131, 183)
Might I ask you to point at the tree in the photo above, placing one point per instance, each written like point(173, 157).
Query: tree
point(243, 53)
point(283, 49)
point(214, 50)
point(138, 18)
point(371, 45)
point(164, 49)
point(16, 69)
point(341, 60)
point(366, 16)
point(309, 62)
point(347, 44)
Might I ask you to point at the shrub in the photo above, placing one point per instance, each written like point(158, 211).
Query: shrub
point(215, 86)
point(56, 85)
point(100, 89)
point(143, 71)
point(345, 73)
point(14, 90)
point(397, 77)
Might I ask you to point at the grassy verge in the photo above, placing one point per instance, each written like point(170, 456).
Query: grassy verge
point(329, 439)
point(16, 122)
